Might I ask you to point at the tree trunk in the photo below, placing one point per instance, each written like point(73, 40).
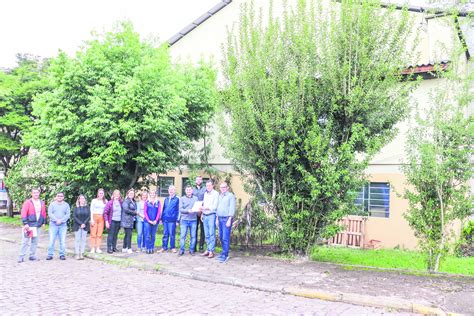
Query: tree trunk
point(132, 182)
point(248, 217)
point(9, 204)
point(430, 260)
point(443, 241)
point(274, 184)
point(438, 258)
point(134, 177)
point(135, 173)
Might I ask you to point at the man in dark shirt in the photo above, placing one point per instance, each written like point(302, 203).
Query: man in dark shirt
point(198, 191)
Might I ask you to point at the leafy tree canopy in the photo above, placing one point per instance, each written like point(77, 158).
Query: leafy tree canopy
point(18, 87)
point(120, 110)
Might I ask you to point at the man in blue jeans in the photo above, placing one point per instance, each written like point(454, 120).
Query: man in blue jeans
point(225, 215)
point(208, 209)
point(188, 220)
point(169, 218)
point(59, 213)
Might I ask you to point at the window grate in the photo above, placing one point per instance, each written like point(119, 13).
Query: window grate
point(374, 200)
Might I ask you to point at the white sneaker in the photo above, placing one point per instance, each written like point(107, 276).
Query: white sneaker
point(93, 250)
point(129, 250)
point(124, 249)
point(98, 250)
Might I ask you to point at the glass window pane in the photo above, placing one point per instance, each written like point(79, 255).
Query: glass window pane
point(378, 196)
point(184, 183)
point(360, 203)
point(379, 212)
point(379, 204)
point(164, 183)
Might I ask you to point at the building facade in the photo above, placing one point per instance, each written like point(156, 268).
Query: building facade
point(381, 198)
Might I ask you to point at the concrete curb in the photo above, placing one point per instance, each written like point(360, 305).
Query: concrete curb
point(373, 301)
point(8, 240)
point(350, 298)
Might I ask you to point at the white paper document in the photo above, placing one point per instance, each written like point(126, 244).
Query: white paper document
point(196, 206)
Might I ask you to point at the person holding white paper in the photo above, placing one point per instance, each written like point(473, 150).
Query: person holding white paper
point(208, 209)
point(33, 217)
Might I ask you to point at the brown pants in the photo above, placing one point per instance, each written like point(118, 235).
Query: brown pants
point(96, 231)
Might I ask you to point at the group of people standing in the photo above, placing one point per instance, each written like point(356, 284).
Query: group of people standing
point(199, 211)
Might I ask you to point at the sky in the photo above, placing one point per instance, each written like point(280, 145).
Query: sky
point(43, 27)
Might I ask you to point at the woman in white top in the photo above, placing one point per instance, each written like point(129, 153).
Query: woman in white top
point(97, 220)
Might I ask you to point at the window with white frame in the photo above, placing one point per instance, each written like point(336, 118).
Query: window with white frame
point(374, 199)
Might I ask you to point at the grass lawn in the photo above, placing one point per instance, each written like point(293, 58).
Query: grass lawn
point(11, 220)
point(390, 258)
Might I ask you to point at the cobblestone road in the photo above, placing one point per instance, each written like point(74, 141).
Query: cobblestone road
point(92, 287)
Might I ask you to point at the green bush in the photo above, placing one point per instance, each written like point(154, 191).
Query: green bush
point(465, 245)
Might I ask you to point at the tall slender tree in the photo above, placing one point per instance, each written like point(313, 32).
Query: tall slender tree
point(439, 162)
point(312, 96)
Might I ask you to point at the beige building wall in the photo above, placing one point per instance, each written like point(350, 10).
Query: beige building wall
point(434, 41)
point(393, 231)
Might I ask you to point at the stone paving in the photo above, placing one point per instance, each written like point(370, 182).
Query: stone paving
point(451, 294)
point(94, 287)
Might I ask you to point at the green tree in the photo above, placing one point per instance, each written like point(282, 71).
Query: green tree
point(35, 171)
point(439, 164)
point(18, 89)
point(120, 110)
point(311, 97)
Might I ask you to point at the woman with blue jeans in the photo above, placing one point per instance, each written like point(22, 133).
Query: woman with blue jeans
point(188, 220)
point(140, 223)
point(152, 216)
